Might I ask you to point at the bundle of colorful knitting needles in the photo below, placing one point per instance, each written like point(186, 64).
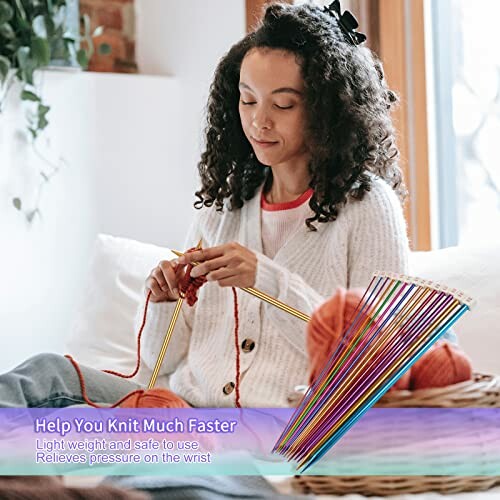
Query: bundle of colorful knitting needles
point(395, 322)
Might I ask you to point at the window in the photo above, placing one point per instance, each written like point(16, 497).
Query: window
point(466, 63)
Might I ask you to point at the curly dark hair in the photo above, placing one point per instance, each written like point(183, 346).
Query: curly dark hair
point(348, 129)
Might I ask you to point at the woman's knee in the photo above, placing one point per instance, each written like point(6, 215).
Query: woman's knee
point(38, 380)
point(45, 360)
point(47, 364)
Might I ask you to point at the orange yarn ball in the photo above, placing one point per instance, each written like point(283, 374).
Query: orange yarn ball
point(326, 328)
point(402, 384)
point(155, 398)
point(327, 324)
point(443, 364)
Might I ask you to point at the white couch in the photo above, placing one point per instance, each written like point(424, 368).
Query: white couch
point(476, 271)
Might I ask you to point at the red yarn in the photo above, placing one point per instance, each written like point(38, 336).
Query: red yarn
point(155, 398)
point(237, 348)
point(84, 389)
point(442, 365)
point(189, 286)
point(159, 397)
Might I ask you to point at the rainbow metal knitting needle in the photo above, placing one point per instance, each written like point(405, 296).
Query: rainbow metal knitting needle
point(168, 335)
point(395, 323)
point(265, 297)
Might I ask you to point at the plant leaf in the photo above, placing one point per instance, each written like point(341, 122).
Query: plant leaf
point(4, 69)
point(42, 123)
point(26, 95)
point(22, 25)
point(20, 8)
point(39, 27)
point(89, 49)
point(40, 51)
point(26, 65)
point(28, 74)
point(60, 16)
point(82, 58)
point(7, 32)
point(104, 49)
point(43, 110)
point(6, 12)
point(23, 54)
point(17, 203)
point(86, 24)
point(50, 26)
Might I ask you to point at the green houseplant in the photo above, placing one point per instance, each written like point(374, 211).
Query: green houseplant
point(36, 34)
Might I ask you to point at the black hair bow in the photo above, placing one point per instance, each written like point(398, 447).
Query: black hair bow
point(347, 23)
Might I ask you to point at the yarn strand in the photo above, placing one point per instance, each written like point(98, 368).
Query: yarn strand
point(188, 287)
point(237, 348)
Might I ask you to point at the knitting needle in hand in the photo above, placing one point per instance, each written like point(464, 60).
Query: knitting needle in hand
point(263, 296)
point(168, 335)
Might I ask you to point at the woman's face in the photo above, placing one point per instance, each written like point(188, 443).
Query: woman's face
point(272, 106)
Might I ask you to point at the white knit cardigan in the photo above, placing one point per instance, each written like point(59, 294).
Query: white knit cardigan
point(368, 235)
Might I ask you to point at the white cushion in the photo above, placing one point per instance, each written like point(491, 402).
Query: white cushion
point(475, 271)
point(102, 335)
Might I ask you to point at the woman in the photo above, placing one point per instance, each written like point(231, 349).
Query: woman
point(299, 195)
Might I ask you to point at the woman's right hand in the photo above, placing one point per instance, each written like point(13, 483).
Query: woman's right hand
point(163, 281)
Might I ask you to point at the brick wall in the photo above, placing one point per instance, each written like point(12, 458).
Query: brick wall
point(117, 18)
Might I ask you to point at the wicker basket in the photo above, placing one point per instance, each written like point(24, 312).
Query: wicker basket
point(483, 391)
point(390, 485)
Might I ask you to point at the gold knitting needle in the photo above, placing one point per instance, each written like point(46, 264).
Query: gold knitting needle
point(263, 296)
point(166, 340)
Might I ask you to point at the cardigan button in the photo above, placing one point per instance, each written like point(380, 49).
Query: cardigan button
point(228, 388)
point(247, 345)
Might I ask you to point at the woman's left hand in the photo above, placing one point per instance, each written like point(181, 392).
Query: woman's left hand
point(230, 264)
